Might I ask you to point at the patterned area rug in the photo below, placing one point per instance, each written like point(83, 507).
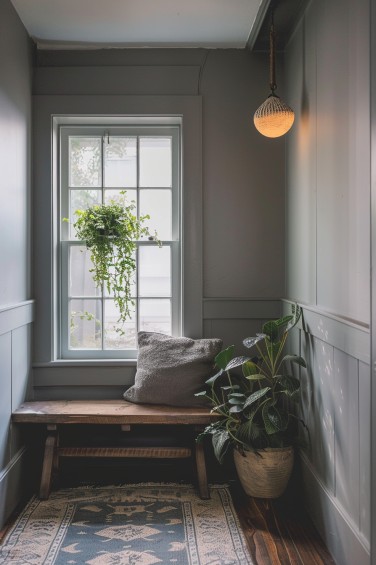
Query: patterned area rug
point(128, 525)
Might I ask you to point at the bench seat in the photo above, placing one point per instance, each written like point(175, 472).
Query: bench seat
point(57, 413)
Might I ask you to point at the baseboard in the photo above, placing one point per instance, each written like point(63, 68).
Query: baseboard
point(341, 536)
point(14, 484)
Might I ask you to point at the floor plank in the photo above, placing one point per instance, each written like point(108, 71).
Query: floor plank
point(279, 532)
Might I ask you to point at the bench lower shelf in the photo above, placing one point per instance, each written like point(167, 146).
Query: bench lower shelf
point(149, 452)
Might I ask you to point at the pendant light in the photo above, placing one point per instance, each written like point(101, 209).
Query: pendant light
point(273, 118)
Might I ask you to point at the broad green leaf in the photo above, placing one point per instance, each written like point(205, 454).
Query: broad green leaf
point(236, 409)
point(209, 430)
point(296, 314)
point(251, 341)
point(236, 362)
point(248, 432)
point(233, 387)
point(212, 379)
point(255, 396)
point(236, 395)
point(278, 418)
point(282, 321)
point(271, 330)
point(250, 368)
point(200, 438)
point(202, 393)
point(236, 401)
point(290, 385)
point(295, 359)
point(224, 357)
point(250, 411)
point(270, 427)
point(257, 377)
point(221, 443)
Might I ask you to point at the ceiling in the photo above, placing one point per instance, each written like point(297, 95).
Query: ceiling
point(142, 23)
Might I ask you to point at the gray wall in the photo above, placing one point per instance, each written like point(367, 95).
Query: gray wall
point(16, 309)
point(328, 263)
point(373, 290)
point(241, 227)
point(327, 232)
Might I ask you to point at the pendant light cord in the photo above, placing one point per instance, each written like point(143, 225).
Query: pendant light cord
point(273, 84)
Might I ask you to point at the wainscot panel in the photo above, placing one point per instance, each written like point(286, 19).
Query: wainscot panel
point(335, 405)
point(336, 527)
point(233, 319)
point(87, 392)
point(21, 362)
point(15, 484)
point(16, 386)
point(89, 373)
point(346, 422)
point(238, 308)
point(86, 380)
point(320, 422)
point(364, 448)
point(5, 397)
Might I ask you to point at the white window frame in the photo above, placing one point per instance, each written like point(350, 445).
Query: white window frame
point(175, 244)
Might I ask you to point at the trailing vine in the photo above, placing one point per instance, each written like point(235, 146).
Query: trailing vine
point(110, 232)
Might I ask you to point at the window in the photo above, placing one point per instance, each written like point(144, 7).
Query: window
point(96, 165)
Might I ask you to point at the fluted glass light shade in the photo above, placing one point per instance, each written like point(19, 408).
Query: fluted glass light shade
point(273, 118)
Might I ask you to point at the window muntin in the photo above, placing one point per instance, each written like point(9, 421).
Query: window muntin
point(96, 164)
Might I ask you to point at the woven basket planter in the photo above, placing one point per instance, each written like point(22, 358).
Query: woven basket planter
point(266, 474)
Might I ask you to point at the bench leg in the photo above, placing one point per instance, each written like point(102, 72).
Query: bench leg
point(201, 471)
point(48, 461)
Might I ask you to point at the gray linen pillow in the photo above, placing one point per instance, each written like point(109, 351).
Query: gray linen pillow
point(170, 370)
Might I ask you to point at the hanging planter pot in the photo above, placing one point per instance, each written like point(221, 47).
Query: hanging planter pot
point(264, 474)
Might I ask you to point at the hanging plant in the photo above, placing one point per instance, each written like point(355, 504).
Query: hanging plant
point(110, 232)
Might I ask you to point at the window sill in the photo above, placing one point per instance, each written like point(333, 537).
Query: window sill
point(88, 363)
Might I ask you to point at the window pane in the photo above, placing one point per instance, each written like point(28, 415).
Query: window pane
point(155, 316)
point(113, 339)
point(81, 200)
point(115, 196)
point(85, 324)
point(120, 162)
point(80, 279)
point(154, 271)
point(85, 161)
point(157, 203)
point(155, 161)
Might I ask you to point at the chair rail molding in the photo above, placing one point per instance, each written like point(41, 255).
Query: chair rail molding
point(16, 315)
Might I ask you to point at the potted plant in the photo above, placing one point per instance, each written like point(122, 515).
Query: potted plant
point(110, 232)
point(254, 407)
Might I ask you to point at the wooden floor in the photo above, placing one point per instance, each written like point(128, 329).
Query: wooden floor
point(277, 532)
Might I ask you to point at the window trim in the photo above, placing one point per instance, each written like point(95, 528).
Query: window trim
point(113, 128)
point(48, 112)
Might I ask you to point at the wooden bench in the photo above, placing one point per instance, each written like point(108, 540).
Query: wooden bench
point(55, 414)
